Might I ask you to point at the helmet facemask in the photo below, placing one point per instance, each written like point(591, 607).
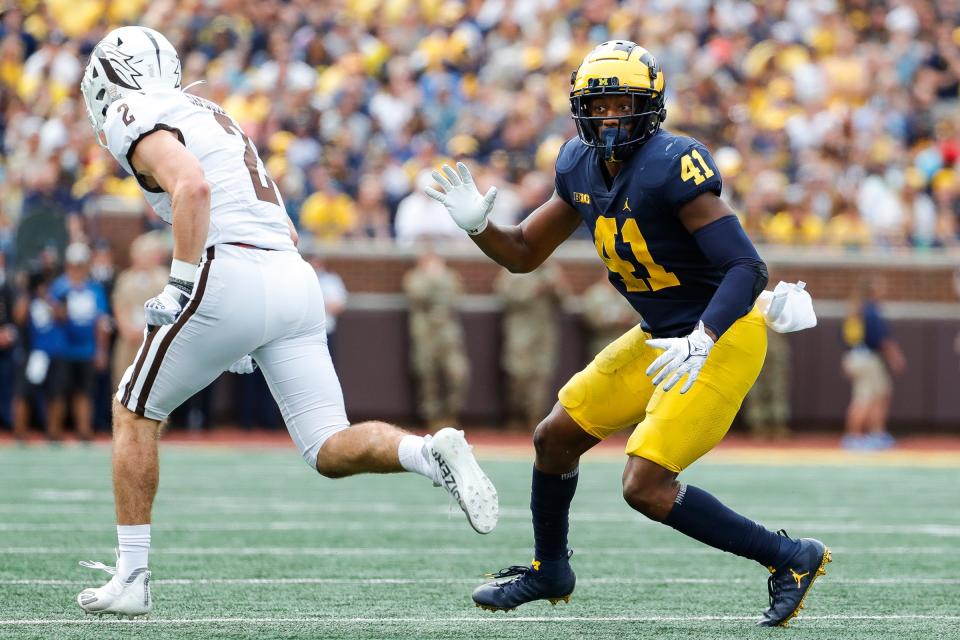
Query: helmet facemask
point(633, 129)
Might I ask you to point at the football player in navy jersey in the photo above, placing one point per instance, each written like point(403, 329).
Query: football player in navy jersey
point(677, 252)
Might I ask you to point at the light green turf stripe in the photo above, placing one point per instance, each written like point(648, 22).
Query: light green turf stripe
point(463, 619)
point(876, 582)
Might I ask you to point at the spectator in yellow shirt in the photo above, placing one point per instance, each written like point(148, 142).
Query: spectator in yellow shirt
point(847, 229)
point(796, 225)
point(327, 213)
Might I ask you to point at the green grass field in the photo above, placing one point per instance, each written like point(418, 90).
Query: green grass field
point(249, 544)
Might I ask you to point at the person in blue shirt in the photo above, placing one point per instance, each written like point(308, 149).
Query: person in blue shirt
point(677, 253)
point(81, 309)
point(43, 338)
point(9, 343)
point(871, 355)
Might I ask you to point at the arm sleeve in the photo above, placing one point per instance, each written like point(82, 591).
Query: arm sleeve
point(727, 247)
point(690, 174)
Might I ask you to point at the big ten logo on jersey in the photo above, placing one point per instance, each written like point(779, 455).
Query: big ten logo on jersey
point(582, 198)
point(690, 171)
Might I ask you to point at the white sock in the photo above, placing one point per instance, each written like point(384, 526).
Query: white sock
point(415, 455)
point(134, 545)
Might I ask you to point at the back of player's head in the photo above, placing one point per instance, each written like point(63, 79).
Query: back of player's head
point(618, 68)
point(127, 60)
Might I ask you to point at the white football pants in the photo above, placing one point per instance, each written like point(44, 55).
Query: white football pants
point(245, 300)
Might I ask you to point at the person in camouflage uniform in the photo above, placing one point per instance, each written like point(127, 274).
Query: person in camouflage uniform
point(607, 315)
point(767, 406)
point(437, 348)
point(532, 305)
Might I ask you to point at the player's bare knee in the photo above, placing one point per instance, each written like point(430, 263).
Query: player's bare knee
point(329, 469)
point(330, 461)
point(541, 438)
point(650, 496)
point(124, 421)
point(334, 458)
point(132, 432)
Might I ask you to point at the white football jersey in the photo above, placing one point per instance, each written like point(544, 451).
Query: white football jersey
point(245, 204)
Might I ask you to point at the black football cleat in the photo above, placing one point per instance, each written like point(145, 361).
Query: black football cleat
point(551, 580)
point(789, 585)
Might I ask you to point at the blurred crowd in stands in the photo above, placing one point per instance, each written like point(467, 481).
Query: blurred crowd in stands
point(833, 122)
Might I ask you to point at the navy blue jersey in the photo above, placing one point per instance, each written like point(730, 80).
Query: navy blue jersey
point(654, 262)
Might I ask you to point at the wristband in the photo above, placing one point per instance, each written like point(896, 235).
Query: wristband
point(182, 275)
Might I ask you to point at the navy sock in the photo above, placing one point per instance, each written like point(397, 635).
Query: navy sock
point(550, 497)
point(698, 514)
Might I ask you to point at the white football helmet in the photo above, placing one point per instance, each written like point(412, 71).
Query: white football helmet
point(128, 59)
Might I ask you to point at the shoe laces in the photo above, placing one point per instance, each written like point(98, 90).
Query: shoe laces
point(773, 585)
point(90, 564)
point(512, 570)
point(773, 589)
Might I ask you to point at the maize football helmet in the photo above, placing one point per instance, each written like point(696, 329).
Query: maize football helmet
point(128, 59)
point(618, 67)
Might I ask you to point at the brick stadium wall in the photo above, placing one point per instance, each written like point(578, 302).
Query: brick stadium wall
point(830, 274)
point(910, 282)
point(373, 346)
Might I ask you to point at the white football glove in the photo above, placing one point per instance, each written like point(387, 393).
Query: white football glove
point(681, 357)
point(244, 365)
point(787, 308)
point(165, 308)
point(462, 199)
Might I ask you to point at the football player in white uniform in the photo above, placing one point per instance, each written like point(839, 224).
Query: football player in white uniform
point(237, 286)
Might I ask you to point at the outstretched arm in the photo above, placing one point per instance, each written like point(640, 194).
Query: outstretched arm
point(520, 248)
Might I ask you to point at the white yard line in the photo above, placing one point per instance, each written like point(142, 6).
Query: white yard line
point(417, 552)
point(882, 582)
point(406, 517)
point(488, 620)
point(454, 524)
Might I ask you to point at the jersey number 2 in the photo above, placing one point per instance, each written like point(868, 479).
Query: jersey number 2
point(689, 169)
point(605, 237)
point(263, 186)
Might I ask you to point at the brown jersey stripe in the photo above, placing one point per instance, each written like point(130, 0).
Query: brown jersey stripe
point(132, 382)
point(170, 335)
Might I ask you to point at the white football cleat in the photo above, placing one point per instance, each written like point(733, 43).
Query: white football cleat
point(457, 471)
point(122, 598)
